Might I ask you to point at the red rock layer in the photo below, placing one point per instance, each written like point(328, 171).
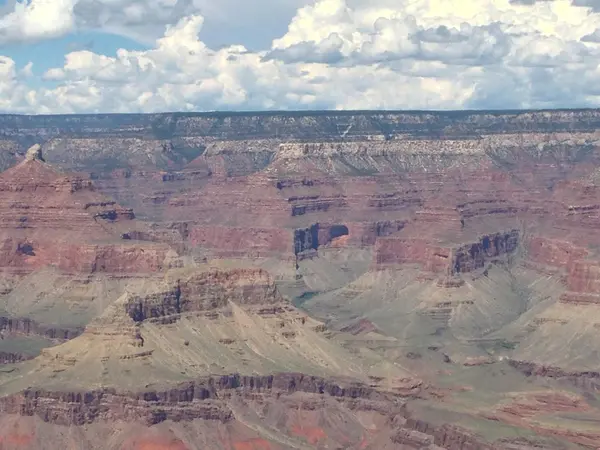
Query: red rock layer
point(525, 412)
point(49, 218)
point(553, 252)
point(447, 259)
point(242, 242)
point(394, 251)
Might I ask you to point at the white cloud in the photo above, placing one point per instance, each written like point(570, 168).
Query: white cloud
point(14, 95)
point(334, 54)
point(144, 20)
point(592, 37)
point(27, 71)
point(37, 19)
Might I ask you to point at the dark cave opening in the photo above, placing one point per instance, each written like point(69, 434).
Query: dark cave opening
point(338, 230)
point(26, 249)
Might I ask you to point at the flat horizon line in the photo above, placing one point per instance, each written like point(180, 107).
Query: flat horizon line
point(306, 112)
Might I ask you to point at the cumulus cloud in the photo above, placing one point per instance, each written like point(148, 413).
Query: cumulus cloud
point(144, 20)
point(333, 54)
point(14, 95)
point(32, 20)
point(592, 37)
point(37, 19)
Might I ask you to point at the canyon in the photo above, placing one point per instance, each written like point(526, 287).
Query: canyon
point(294, 280)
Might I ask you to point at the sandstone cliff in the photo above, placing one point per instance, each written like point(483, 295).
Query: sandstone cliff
point(446, 247)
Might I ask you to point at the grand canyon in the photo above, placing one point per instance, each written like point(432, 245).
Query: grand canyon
point(332, 280)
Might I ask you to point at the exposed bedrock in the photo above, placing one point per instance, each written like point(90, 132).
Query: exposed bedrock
point(447, 259)
point(446, 436)
point(306, 239)
point(394, 251)
point(583, 283)
point(202, 399)
point(581, 271)
point(555, 253)
point(589, 380)
point(9, 150)
point(452, 193)
point(240, 241)
point(51, 218)
point(366, 233)
point(207, 291)
point(315, 204)
point(210, 398)
point(284, 243)
point(532, 143)
point(318, 235)
point(469, 257)
point(28, 327)
point(14, 357)
point(28, 255)
point(299, 124)
point(584, 276)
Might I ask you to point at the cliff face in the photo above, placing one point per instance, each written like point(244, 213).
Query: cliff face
point(24, 326)
point(174, 139)
point(62, 253)
point(303, 123)
point(198, 322)
point(207, 291)
point(215, 403)
point(202, 399)
point(248, 184)
point(451, 260)
point(469, 257)
point(52, 218)
point(443, 241)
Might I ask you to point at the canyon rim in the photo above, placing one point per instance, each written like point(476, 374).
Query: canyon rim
point(348, 280)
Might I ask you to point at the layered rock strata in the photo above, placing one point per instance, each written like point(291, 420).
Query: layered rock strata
point(450, 260)
point(52, 218)
point(481, 231)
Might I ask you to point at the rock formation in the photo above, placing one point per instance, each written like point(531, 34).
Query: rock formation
point(34, 153)
point(447, 265)
point(61, 247)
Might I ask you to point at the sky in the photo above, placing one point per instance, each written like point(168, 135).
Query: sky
point(93, 56)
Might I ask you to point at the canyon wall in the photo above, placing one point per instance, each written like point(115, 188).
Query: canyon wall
point(206, 291)
point(447, 259)
point(170, 140)
point(494, 206)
